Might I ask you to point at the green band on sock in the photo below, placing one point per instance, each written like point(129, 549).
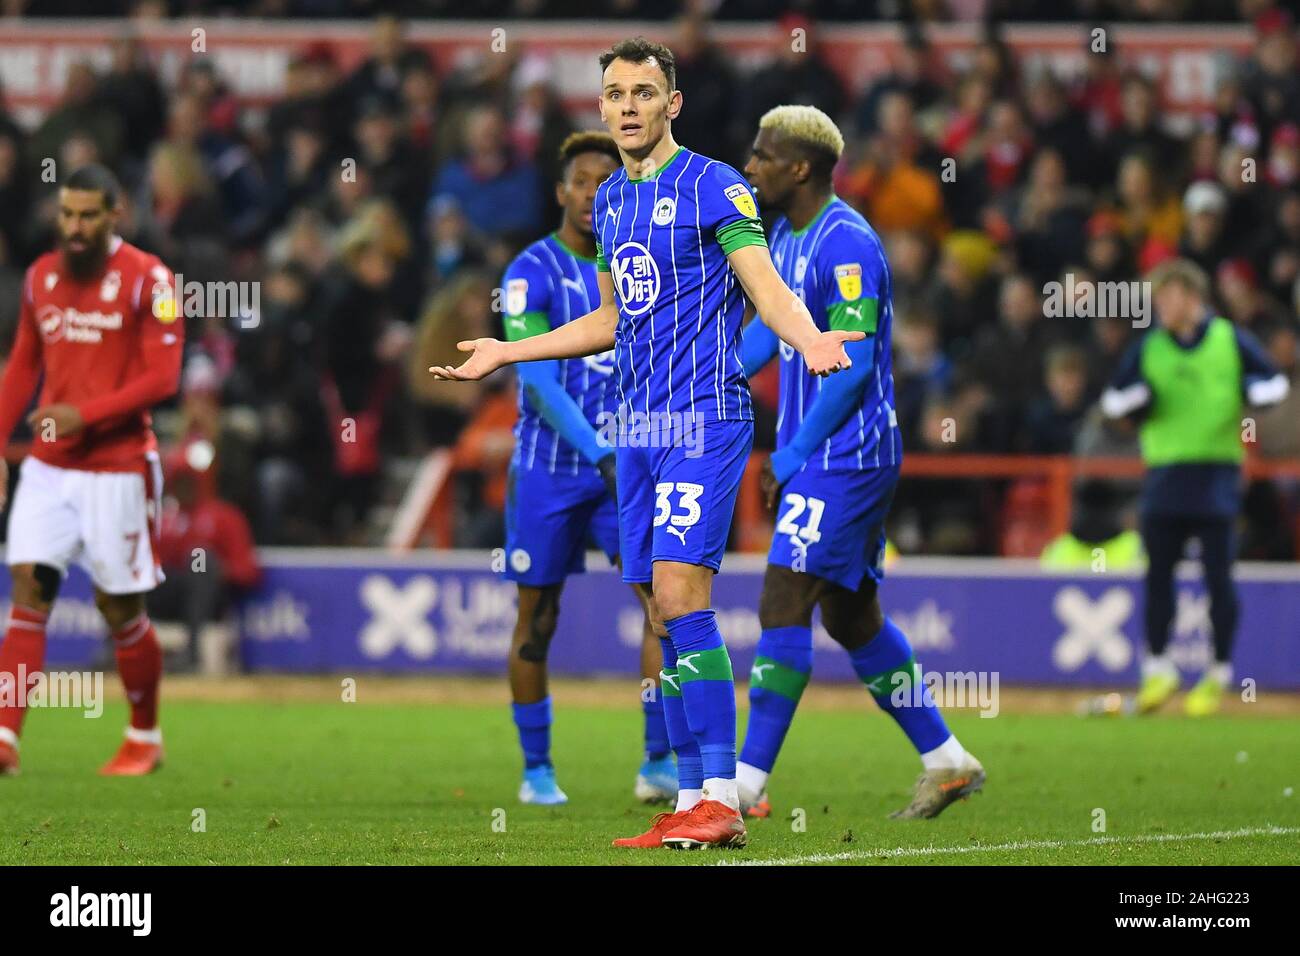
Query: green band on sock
point(770, 675)
point(713, 664)
point(669, 684)
point(905, 676)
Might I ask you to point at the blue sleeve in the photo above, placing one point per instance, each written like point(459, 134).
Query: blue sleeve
point(758, 346)
point(527, 312)
point(726, 198)
point(1129, 371)
point(851, 270)
point(1256, 366)
point(541, 383)
point(528, 288)
point(840, 394)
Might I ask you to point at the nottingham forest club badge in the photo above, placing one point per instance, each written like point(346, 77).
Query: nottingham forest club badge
point(848, 276)
point(742, 199)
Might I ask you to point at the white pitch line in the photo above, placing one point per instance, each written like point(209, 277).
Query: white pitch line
point(906, 851)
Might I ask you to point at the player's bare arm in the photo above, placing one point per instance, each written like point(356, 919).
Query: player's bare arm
point(786, 315)
point(589, 335)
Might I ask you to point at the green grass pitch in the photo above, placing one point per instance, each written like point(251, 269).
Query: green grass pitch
point(323, 783)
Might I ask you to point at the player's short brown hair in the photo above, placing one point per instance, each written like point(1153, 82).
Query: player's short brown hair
point(587, 141)
point(1183, 272)
point(639, 50)
point(96, 178)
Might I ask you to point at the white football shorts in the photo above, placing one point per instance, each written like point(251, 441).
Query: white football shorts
point(103, 520)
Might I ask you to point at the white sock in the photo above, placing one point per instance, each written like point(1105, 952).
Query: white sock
point(9, 737)
point(723, 790)
point(1158, 666)
point(1221, 672)
point(688, 798)
point(144, 736)
point(949, 755)
point(750, 780)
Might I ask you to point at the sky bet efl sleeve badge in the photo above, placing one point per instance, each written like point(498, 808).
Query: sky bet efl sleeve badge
point(740, 198)
point(848, 276)
point(165, 307)
point(516, 296)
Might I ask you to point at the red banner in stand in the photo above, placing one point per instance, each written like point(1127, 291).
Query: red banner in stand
point(253, 56)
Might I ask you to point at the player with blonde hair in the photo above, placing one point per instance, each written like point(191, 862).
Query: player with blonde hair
point(833, 474)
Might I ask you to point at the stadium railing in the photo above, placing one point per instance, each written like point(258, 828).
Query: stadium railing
point(1041, 487)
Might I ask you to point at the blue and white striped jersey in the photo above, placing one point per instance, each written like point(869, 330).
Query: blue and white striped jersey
point(665, 240)
point(836, 265)
point(547, 285)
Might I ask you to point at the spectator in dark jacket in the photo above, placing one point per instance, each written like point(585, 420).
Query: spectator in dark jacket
point(798, 75)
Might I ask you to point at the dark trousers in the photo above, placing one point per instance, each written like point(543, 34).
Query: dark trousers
point(194, 598)
point(1165, 536)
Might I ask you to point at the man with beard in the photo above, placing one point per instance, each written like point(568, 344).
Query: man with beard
point(99, 321)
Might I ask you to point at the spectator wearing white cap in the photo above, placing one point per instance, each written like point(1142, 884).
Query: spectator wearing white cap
point(1204, 206)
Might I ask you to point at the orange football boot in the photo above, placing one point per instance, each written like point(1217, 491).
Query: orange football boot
point(710, 823)
point(133, 759)
point(660, 824)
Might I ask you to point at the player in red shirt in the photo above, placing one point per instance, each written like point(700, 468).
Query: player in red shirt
point(99, 319)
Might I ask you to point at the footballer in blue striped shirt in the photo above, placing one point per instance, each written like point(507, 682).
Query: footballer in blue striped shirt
point(832, 476)
point(561, 486)
point(679, 249)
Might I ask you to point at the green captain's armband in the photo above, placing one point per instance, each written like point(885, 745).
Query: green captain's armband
point(741, 233)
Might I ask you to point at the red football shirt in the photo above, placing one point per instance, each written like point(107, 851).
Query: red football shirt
point(104, 348)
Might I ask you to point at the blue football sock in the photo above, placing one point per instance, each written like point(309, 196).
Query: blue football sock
point(782, 664)
point(886, 665)
point(656, 729)
point(690, 771)
point(534, 723)
point(708, 690)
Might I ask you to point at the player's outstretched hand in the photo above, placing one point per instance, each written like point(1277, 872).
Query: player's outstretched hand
point(827, 354)
point(488, 356)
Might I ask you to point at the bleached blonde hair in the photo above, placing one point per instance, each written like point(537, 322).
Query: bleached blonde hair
point(807, 125)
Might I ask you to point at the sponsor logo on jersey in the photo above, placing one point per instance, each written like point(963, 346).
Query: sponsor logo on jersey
point(636, 277)
point(602, 363)
point(665, 211)
point(72, 325)
point(516, 296)
point(848, 276)
point(742, 199)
